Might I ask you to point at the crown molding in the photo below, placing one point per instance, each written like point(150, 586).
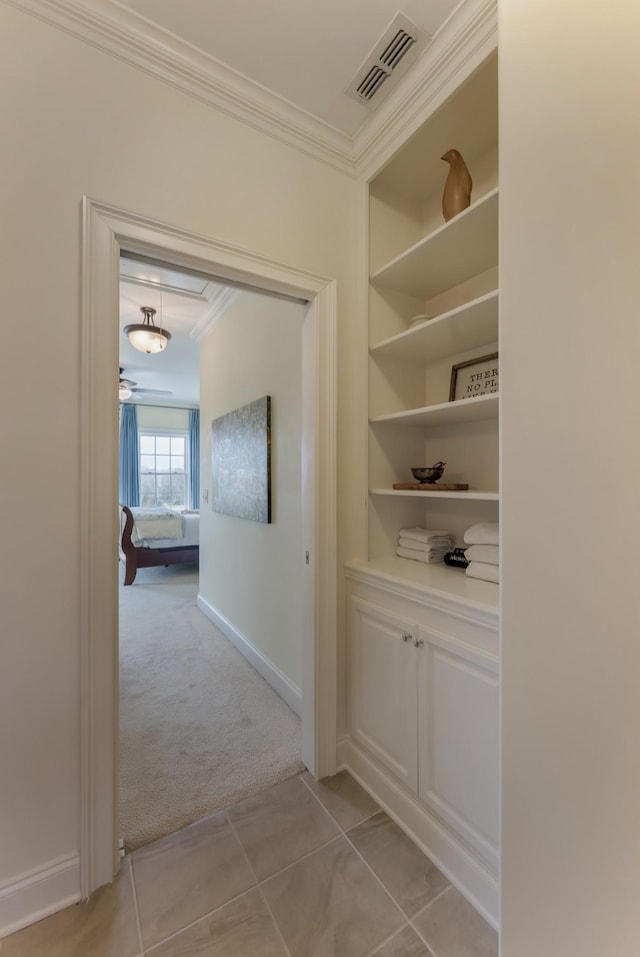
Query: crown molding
point(142, 44)
point(466, 38)
point(219, 303)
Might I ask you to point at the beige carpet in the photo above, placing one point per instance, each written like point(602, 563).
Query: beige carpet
point(199, 728)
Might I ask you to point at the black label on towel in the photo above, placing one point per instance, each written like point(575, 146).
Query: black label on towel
point(456, 558)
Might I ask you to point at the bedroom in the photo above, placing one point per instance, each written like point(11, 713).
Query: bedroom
point(159, 394)
point(239, 344)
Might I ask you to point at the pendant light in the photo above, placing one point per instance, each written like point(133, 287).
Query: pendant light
point(145, 336)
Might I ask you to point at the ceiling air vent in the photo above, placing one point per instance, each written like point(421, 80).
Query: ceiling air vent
point(393, 54)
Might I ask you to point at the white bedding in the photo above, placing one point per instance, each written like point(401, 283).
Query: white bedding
point(155, 523)
point(190, 527)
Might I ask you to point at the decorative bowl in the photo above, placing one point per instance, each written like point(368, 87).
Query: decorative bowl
point(428, 474)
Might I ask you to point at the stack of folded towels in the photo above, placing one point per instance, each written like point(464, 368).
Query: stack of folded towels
point(483, 553)
point(423, 544)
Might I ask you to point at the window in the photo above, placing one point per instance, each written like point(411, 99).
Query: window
point(162, 470)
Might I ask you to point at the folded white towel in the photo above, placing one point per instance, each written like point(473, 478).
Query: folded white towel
point(429, 558)
point(424, 534)
point(485, 533)
point(483, 553)
point(415, 546)
point(488, 573)
point(432, 550)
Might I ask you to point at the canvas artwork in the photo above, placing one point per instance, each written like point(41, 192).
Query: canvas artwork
point(241, 462)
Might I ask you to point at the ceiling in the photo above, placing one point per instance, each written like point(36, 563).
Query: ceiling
point(303, 51)
point(186, 305)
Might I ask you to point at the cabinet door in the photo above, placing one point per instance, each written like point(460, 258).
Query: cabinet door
point(383, 700)
point(458, 721)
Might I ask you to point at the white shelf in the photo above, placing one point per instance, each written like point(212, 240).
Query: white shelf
point(446, 413)
point(474, 494)
point(467, 327)
point(456, 251)
point(439, 580)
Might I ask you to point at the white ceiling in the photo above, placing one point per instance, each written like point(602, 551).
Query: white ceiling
point(304, 51)
point(186, 306)
point(301, 51)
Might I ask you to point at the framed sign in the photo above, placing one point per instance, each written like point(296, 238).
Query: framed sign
point(474, 377)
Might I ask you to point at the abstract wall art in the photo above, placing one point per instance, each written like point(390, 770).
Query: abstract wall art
point(241, 462)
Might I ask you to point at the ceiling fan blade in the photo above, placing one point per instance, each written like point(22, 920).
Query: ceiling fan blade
point(129, 383)
point(152, 391)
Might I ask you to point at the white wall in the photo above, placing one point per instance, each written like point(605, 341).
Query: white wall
point(162, 417)
point(250, 572)
point(76, 121)
point(570, 294)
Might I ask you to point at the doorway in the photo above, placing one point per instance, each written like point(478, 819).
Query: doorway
point(106, 231)
point(199, 729)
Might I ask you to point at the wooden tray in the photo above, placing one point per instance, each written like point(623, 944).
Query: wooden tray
point(431, 486)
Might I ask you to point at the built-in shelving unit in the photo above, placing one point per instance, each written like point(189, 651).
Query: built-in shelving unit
point(423, 646)
point(448, 271)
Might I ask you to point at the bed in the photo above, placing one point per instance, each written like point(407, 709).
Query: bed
point(157, 536)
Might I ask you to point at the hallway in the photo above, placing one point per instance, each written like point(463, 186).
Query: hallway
point(303, 868)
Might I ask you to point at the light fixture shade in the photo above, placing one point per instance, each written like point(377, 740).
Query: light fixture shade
point(124, 392)
point(144, 336)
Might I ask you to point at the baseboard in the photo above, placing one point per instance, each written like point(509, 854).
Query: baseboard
point(39, 894)
point(342, 754)
point(471, 877)
point(270, 672)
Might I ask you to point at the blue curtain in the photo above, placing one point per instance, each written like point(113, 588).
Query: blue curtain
point(194, 458)
point(129, 484)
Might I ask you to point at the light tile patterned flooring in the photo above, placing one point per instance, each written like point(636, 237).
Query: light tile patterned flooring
point(304, 869)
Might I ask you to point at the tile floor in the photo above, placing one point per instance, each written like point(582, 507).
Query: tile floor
point(304, 869)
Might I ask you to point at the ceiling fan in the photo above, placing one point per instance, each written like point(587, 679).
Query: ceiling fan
point(127, 388)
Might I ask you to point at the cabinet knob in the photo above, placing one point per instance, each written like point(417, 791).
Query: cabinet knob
point(418, 642)
point(406, 636)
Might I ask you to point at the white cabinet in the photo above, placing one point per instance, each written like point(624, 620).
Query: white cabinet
point(423, 720)
point(458, 738)
point(384, 707)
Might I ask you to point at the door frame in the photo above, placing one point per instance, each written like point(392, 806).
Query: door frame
point(107, 230)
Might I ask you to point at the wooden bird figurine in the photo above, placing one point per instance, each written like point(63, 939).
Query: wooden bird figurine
point(457, 188)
